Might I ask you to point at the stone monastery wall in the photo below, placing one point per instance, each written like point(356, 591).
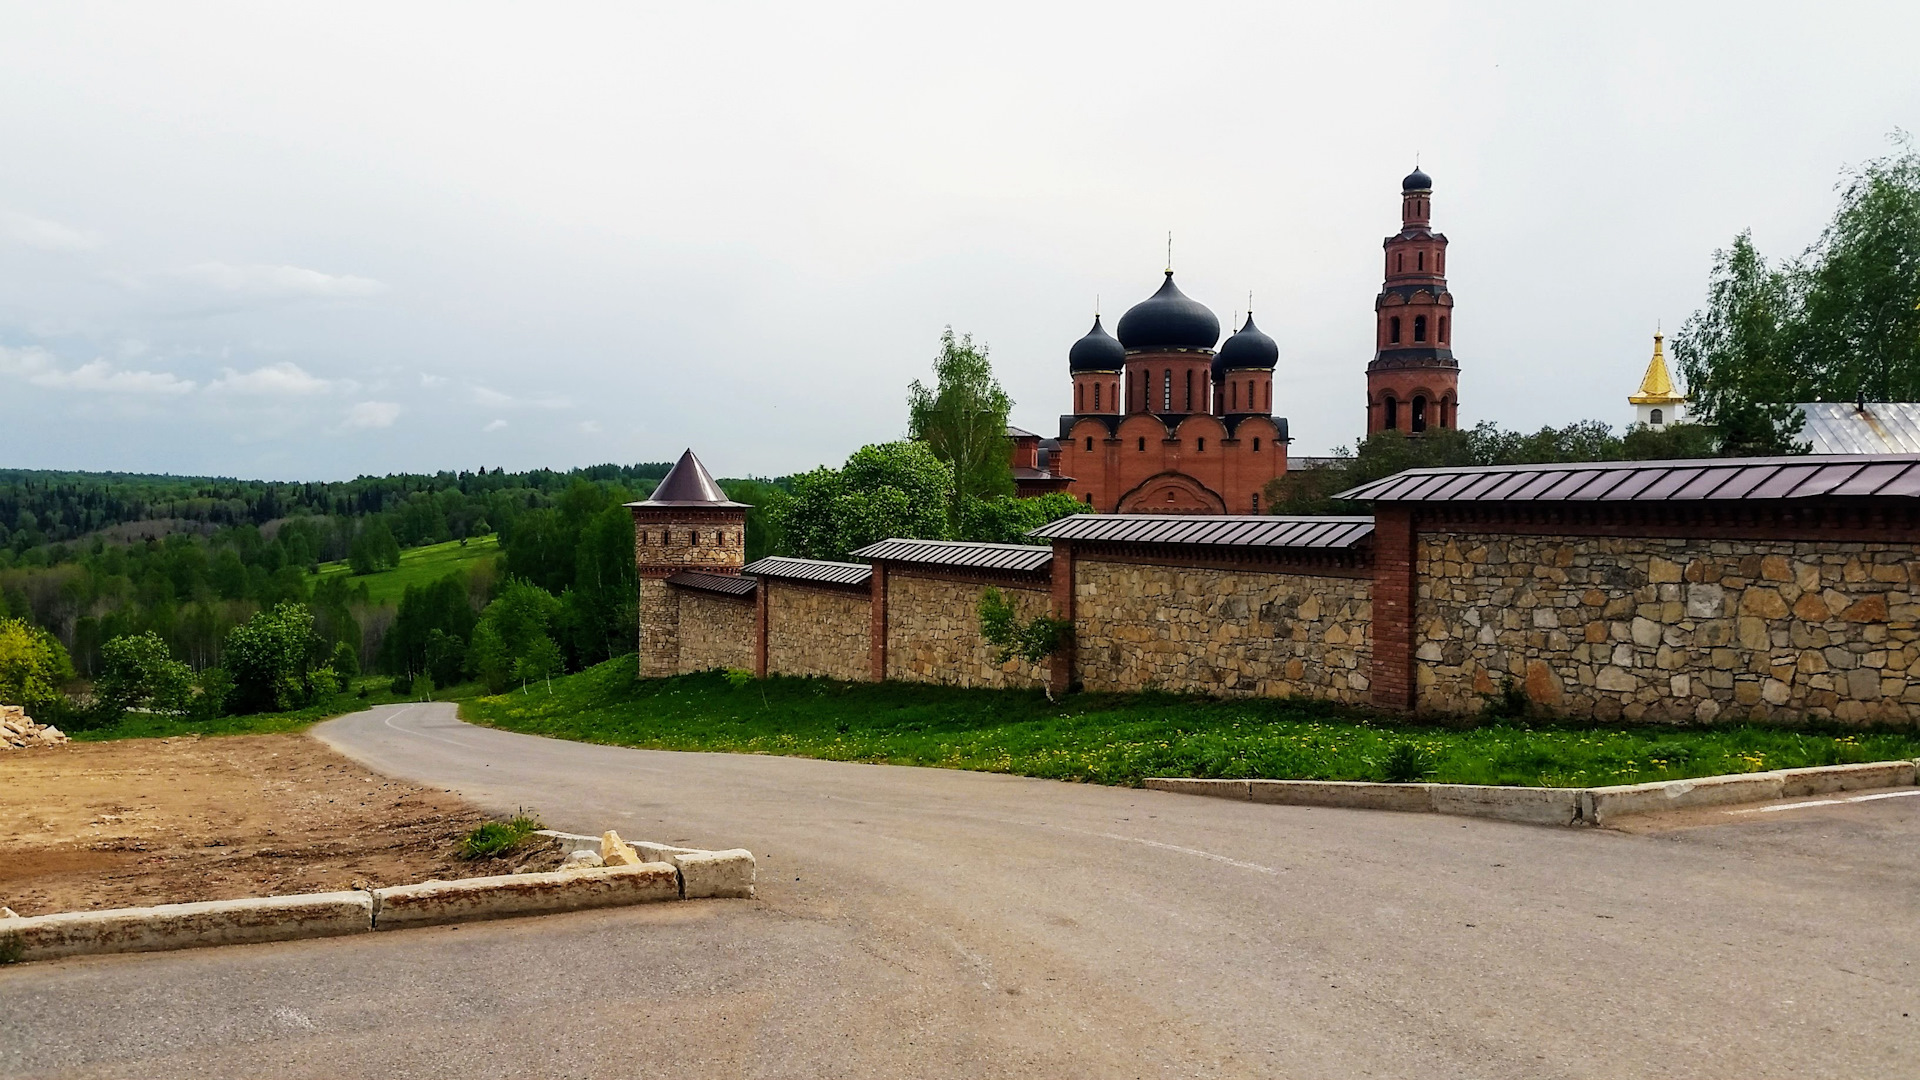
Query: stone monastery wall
point(933, 632)
point(1214, 631)
point(813, 631)
point(1671, 622)
point(715, 631)
point(1670, 629)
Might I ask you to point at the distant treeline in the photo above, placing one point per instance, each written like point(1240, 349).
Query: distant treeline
point(41, 507)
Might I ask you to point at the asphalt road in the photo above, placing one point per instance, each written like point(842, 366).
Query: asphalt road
point(916, 922)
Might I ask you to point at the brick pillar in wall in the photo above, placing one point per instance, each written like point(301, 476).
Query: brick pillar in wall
point(1393, 607)
point(1061, 675)
point(877, 628)
point(760, 631)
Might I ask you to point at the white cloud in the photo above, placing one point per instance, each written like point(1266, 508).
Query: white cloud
point(274, 380)
point(495, 426)
point(43, 235)
point(486, 395)
point(372, 414)
point(431, 380)
point(39, 368)
point(590, 426)
point(279, 281)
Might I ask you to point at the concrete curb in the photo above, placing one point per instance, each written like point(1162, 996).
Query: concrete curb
point(1554, 806)
point(187, 926)
point(670, 873)
point(473, 899)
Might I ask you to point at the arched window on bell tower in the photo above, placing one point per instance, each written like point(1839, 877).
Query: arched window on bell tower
point(1419, 417)
point(1393, 414)
point(1419, 328)
point(1393, 330)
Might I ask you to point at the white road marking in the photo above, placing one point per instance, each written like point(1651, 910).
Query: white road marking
point(1826, 802)
point(1164, 847)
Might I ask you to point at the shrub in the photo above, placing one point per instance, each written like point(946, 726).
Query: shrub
point(496, 838)
point(1405, 763)
point(138, 671)
point(33, 667)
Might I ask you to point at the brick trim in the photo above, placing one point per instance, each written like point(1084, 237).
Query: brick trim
point(1394, 543)
point(760, 632)
point(877, 628)
point(1060, 677)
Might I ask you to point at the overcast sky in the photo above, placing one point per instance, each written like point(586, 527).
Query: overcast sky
point(305, 244)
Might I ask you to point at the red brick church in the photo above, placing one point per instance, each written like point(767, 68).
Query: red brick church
point(1169, 419)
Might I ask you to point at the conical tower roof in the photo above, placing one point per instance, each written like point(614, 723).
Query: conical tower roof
point(688, 483)
point(1656, 388)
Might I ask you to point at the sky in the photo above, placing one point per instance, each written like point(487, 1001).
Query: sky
point(309, 243)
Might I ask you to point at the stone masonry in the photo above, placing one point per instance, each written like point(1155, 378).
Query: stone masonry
point(1670, 629)
point(715, 631)
point(1214, 631)
point(933, 632)
point(816, 631)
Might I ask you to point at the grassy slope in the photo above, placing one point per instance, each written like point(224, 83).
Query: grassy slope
point(1115, 739)
point(418, 566)
point(142, 726)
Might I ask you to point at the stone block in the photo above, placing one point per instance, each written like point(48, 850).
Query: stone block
point(1825, 779)
point(715, 874)
point(1347, 794)
point(1609, 803)
point(1219, 789)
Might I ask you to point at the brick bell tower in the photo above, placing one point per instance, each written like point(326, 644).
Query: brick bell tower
point(688, 523)
point(1413, 383)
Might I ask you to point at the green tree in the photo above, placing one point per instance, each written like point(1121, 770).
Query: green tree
point(510, 629)
point(271, 660)
point(963, 420)
point(33, 667)
point(1005, 519)
point(445, 606)
point(138, 671)
point(1733, 357)
point(1856, 328)
point(374, 548)
point(885, 490)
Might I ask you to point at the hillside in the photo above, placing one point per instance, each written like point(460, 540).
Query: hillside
point(418, 566)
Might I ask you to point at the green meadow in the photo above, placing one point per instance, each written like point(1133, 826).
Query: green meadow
point(418, 566)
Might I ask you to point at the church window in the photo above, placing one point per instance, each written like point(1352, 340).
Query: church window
point(1256, 502)
point(1256, 444)
point(1089, 498)
point(1400, 262)
point(1393, 330)
point(1421, 261)
point(1419, 328)
point(1200, 445)
point(1443, 329)
point(1233, 393)
point(1393, 414)
point(1189, 389)
point(1419, 417)
point(1089, 444)
point(1268, 387)
point(1655, 417)
point(1080, 397)
point(1143, 444)
point(1096, 397)
point(1166, 391)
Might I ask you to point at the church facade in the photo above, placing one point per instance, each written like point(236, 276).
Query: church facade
point(1169, 419)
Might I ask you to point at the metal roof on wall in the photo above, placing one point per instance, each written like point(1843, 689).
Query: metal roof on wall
point(829, 573)
point(1234, 530)
point(1877, 427)
point(1655, 481)
point(725, 584)
point(1018, 558)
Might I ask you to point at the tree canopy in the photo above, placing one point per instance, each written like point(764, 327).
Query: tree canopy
point(1839, 323)
point(963, 420)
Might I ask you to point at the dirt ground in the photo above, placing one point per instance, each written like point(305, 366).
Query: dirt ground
point(159, 821)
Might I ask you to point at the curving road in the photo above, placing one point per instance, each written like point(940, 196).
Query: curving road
point(917, 922)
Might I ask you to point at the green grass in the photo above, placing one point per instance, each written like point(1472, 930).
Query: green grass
point(145, 726)
point(1121, 739)
point(418, 566)
point(496, 838)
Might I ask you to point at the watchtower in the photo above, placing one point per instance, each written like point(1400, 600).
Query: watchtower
point(688, 523)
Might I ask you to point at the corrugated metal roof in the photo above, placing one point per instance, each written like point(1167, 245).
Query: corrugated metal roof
point(1654, 481)
point(1880, 427)
point(830, 573)
point(1013, 557)
point(1242, 530)
point(688, 483)
point(725, 584)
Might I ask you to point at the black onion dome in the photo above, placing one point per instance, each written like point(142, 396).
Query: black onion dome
point(1168, 320)
point(1417, 181)
point(1248, 350)
point(1098, 351)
